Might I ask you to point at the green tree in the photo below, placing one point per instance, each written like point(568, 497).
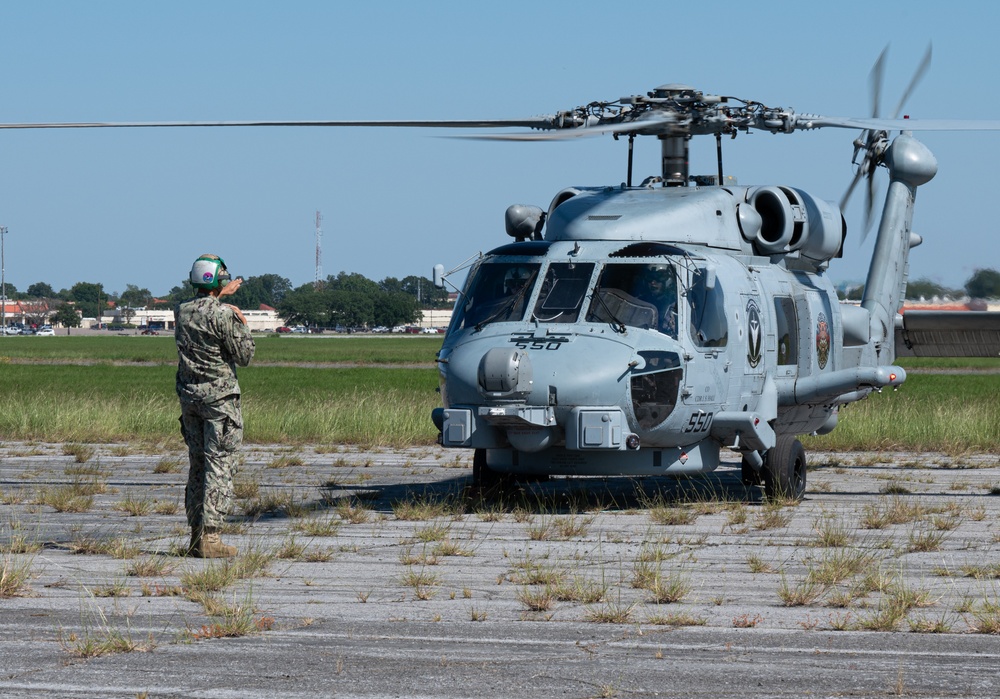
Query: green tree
point(396, 308)
point(134, 297)
point(11, 291)
point(179, 293)
point(66, 316)
point(267, 289)
point(352, 281)
point(927, 289)
point(90, 298)
point(305, 306)
point(41, 290)
point(983, 284)
point(352, 309)
point(423, 289)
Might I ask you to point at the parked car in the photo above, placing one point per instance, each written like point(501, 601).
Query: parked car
point(147, 331)
point(45, 332)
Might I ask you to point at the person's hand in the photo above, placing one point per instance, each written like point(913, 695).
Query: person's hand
point(231, 288)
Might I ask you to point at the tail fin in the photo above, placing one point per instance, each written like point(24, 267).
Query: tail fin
point(911, 164)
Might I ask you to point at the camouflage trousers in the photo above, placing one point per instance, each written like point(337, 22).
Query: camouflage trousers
point(213, 433)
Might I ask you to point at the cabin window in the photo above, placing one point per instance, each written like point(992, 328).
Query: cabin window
point(707, 303)
point(638, 296)
point(498, 291)
point(788, 330)
point(563, 291)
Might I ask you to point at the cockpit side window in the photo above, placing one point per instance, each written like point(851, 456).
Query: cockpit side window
point(562, 293)
point(709, 327)
point(636, 295)
point(498, 292)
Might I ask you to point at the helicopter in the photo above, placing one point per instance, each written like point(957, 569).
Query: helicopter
point(643, 329)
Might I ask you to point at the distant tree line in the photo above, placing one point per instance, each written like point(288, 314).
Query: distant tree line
point(347, 299)
point(983, 284)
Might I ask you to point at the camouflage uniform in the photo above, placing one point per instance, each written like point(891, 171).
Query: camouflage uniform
point(211, 342)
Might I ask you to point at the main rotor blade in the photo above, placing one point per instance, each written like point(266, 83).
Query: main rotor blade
point(637, 126)
point(914, 81)
point(817, 122)
point(533, 123)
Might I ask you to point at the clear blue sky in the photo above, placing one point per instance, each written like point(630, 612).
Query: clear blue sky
point(137, 206)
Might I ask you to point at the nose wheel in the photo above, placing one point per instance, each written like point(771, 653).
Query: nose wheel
point(784, 470)
point(486, 481)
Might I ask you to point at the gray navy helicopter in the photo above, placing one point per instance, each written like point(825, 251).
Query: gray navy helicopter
point(644, 329)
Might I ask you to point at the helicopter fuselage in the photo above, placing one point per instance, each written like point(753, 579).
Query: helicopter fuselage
point(650, 328)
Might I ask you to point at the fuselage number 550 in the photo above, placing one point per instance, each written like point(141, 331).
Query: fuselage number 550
point(699, 422)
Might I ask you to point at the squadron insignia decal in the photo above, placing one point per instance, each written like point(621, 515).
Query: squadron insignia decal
point(754, 335)
point(822, 340)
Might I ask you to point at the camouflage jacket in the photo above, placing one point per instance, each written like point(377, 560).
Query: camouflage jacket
point(211, 343)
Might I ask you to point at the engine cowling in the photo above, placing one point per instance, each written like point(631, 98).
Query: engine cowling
point(793, 220)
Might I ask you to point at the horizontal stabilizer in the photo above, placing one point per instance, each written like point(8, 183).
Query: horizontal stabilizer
point(949, 334)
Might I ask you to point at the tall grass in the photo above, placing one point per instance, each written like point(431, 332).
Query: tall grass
point(112, 389)
point(952, 413)
point(280, 404)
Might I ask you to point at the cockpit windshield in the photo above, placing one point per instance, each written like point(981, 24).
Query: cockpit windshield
point(498, 291)
point(563, 291)
point(636, 295)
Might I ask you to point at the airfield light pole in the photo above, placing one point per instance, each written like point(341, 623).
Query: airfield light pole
point(319, 251)
point(3, 285)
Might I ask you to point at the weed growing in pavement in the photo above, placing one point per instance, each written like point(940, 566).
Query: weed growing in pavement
point(81, 453)
point(15, 571)
point(922, 541)
point(246, 488)
point(745, 621)
point(758, 565)
point(425, 507)
point(352, 511)
point(669, 588)
point(831, 533)
point(118, 588)
point(286, 461)
point(611, 612)
point(134, 505)
point(150, 567)
point(317, 526)
point(167, 465)
point(451, 548)
point(676, 619)
point(536, 599)
point(579, 589)
point(234, 619)
point(804, 593)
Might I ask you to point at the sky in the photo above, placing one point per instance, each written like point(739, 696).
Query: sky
point(137, 206)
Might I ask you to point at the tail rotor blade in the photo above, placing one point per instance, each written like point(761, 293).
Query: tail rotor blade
point(875, 81)
point(925, 63)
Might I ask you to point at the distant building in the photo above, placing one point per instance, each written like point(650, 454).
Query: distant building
point(265, 319)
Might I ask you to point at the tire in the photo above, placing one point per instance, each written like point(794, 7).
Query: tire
point(785, 470)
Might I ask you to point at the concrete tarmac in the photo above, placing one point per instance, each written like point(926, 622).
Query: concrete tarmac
point(376, 574)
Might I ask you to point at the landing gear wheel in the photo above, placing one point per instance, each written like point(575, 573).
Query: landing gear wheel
point(785, 470)
point(485, 481)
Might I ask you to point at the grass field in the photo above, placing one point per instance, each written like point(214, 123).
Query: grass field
point(121, 388)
